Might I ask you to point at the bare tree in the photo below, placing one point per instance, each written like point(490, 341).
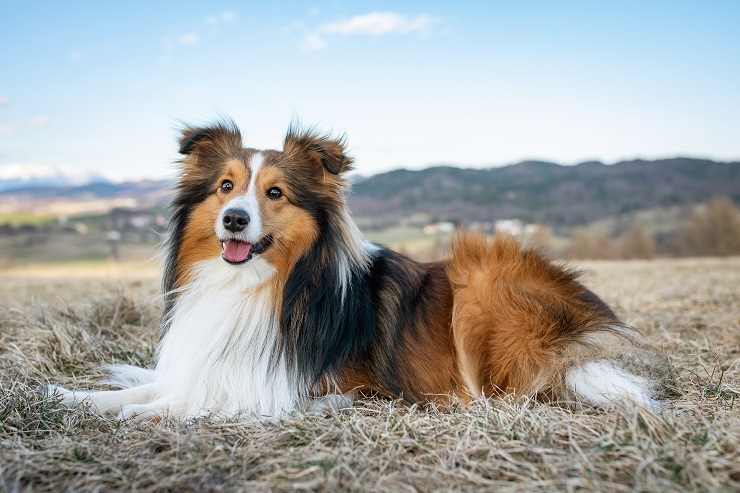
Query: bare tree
point(584, 246)
point(714, 229)
point(636, 243)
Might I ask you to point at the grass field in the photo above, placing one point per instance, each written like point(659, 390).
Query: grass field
point(61, 325)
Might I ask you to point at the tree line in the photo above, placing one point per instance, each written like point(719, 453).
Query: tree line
point(712, 229)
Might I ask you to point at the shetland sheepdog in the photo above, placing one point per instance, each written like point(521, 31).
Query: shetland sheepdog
point(276, 303)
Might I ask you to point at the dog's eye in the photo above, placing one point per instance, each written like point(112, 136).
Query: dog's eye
point(227, 186)
point(274, 193)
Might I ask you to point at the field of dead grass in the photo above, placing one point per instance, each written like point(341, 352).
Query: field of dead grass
point(60, 329)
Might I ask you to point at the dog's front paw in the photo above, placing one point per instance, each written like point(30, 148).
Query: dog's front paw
point(65, 397)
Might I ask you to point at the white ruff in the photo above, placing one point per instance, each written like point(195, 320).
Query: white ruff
point(218, 357)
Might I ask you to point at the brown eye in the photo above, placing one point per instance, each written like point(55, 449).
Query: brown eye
point(227, 186)
point(274, 193)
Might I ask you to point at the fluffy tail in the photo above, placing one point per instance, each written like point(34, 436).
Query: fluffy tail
point(525, 325)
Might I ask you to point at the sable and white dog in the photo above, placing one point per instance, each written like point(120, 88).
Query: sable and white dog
point(274, 299)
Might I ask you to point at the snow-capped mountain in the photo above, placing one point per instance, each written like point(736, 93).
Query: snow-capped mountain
point(19, 176)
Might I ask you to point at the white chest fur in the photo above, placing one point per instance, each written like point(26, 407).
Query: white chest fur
point(220, 351)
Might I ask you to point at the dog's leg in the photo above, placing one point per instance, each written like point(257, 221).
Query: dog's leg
point(329, 402)
point(106, 401)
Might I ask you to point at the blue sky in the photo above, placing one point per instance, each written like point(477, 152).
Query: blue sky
point(102, 85)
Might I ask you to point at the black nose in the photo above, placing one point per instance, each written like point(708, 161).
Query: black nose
point(235, 220)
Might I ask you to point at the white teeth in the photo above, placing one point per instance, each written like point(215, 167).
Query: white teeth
point(223, 245)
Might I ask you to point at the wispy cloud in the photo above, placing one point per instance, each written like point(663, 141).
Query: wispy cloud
point(195, 36)
point(39, 121)
point(4, 100)
point(372, 24)
point(6, 128)
point(296, 25)
point(189, 39)
point(313, 42)
point(378, 24)
point(225, 16)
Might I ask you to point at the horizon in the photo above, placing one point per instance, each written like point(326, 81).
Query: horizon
point(67, 177)
point(100, 87)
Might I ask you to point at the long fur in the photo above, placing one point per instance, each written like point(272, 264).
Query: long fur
point(318, 310)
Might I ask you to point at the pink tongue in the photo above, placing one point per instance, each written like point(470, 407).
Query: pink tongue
point(236, 251)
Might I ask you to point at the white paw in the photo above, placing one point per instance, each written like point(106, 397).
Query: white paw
point(66, 397)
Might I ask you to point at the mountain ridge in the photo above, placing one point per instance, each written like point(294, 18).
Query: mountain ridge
point(538, 191)
point(19, 176)
point(533, 191)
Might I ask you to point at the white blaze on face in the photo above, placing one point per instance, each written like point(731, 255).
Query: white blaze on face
point(247, 202)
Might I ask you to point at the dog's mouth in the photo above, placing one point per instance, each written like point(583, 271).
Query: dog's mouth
point(238, 252)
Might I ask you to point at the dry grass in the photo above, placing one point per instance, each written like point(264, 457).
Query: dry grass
point(691, 308)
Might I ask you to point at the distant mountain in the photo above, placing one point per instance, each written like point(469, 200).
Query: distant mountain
point(544, 192)
point(92, 198)
point(533, 191)
point(95, 189)
point(24, 176)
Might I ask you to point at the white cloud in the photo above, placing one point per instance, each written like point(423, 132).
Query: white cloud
point(189, 39)
point(225, 16)
point(378, 24)
point(372, 24)
point(6, 128)
point(76, 57)
point(313, 42)
point(296, 25)
point(39, 121)
point(198, 34)
point(4, 100)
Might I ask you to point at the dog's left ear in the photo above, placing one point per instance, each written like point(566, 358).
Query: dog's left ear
point(220, 138)
point(320, 150)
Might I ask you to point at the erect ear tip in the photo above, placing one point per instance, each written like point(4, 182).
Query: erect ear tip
point(187, 142)
point(222, 133)
point(321, 149)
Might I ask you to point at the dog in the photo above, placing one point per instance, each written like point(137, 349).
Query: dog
point(275, 303)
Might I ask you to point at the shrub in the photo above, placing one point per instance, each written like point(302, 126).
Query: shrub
point(713, 230)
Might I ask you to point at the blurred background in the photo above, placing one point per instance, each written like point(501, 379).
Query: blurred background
point(590, 130)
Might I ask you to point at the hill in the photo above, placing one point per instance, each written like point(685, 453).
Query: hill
point(24, 176)
point(545, 192)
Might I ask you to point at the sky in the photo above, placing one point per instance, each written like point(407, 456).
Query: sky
point(104, 86)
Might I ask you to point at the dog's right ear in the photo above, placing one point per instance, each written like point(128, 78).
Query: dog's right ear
point(219, 141)
point(322, 152)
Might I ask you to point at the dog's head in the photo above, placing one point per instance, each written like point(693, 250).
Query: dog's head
point(240, 204)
